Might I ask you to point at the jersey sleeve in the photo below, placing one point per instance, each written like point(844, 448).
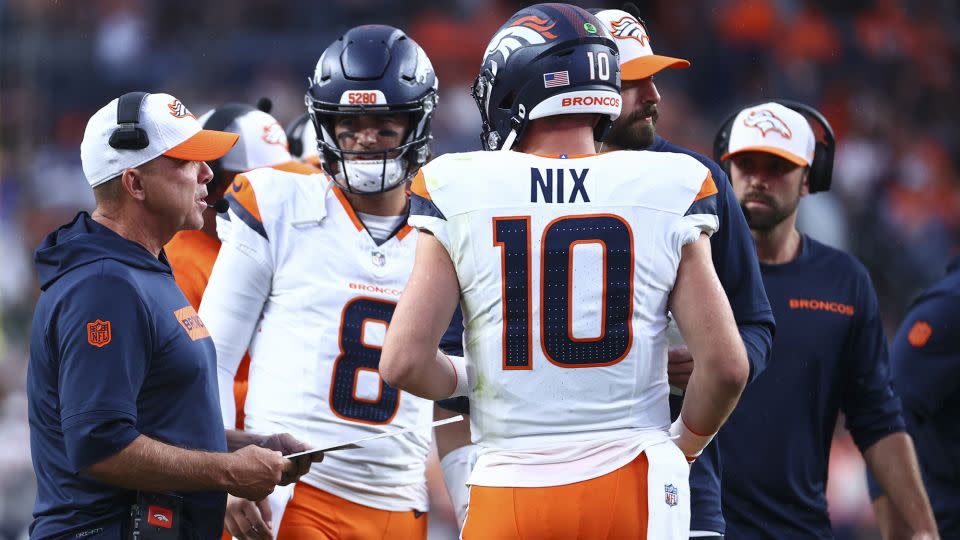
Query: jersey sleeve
point(243, 205)
point(424, 213)
point(701, 215)
point(239, 286)
point(926, 355)
point(104, 338)
point(872, 409)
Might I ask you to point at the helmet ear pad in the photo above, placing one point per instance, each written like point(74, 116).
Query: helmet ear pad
point(820, 176)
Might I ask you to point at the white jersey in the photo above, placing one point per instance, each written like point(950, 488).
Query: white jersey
point(301, 282)
point(565, 270)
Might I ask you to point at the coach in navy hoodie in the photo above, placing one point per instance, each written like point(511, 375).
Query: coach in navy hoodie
point(829, 355)
point(122, 375)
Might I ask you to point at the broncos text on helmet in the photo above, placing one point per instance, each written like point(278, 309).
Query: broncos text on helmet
point(547, 60)
point(373, 70)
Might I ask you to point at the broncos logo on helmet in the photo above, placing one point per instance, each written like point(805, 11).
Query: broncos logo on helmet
point(525, 31)
point(766, 122)
point(627, 28)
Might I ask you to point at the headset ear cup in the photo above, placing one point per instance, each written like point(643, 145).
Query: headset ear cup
point(817, 170)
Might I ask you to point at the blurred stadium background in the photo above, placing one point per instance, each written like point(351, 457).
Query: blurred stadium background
point(883, 71)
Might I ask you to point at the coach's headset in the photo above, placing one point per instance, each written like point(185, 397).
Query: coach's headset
point(129, 135)
point(821, 170)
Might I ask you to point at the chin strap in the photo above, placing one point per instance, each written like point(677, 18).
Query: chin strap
point(508, 142)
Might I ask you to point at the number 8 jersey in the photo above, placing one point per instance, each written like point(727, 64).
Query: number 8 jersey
point(565, 269)
point(301, 283)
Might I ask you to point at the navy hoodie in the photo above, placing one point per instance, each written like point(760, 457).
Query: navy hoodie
point(116, 351)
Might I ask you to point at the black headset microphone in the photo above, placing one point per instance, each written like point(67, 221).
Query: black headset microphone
point(220, 206)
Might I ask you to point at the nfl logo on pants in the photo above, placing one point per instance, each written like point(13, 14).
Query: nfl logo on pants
point(670, 495)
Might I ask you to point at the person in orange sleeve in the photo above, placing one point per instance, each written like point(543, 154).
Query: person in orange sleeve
point(263, 143)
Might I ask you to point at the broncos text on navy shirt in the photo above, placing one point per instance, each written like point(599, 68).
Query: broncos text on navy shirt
point(829, 355)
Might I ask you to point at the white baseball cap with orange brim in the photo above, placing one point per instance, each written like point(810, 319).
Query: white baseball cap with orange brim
point(637, 60)
point(171, 129)
point(773, 129)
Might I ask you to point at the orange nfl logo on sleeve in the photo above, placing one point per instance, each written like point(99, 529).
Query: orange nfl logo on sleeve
point(99, 333)
point(919, 334)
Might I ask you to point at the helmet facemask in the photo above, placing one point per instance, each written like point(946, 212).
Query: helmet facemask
point(373, 171)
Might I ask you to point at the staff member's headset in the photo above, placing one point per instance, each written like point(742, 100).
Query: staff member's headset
point(821, 170)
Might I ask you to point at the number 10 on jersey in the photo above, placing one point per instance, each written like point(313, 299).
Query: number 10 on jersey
point(556, 295)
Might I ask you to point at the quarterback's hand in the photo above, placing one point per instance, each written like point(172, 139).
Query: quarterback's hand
point(679, 367)
point(288, 444)
point(248, 520)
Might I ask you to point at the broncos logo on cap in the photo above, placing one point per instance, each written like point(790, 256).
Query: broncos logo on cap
point(524, 31)
point(273, 134)
point(179, 110)
point(766, 121)
point(627, 28)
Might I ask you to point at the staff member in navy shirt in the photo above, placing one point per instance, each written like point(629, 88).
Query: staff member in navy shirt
point(122, 375)
point(829, 354)
point(925, 357)
point(732, 247)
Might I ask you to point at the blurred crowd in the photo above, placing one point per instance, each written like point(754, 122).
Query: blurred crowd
point(882, 71)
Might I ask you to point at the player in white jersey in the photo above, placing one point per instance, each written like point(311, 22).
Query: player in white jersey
point(565, 267)
point(309, 274)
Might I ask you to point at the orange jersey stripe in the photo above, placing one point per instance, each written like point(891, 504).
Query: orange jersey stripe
point(420, 186)
point(242, 191)
point(347, 208)
point(707, 189)
point(296, 167)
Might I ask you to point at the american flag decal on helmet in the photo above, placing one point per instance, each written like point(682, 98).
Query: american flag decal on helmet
point(557, 78)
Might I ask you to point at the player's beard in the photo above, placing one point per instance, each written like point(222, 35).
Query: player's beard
point(765, 219)
point(631, 133)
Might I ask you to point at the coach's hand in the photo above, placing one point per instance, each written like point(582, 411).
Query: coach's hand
point(253, 472)
point(679, 367)
point(288, 444)
point(247, 520)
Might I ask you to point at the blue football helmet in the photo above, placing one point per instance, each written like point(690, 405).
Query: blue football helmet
point(373, 69)
point(547, 60)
